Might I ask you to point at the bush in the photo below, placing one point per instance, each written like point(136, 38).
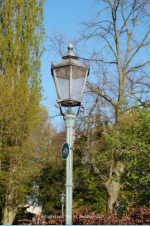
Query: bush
point(134, 215)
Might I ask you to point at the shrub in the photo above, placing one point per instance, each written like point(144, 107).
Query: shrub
point(134, 215)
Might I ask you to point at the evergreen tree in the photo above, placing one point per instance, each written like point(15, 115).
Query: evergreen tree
point(134, 147)
point(51, 183)
point(88, 189)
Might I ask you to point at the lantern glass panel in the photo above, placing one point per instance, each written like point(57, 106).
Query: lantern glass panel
point(62, 199)
point(78, 77)
point(70, 89)
point(63, 78)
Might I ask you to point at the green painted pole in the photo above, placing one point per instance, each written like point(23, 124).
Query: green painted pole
point(62, 209)
point(69, 123)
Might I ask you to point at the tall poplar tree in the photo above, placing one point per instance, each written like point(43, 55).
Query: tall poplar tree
point(21, 38)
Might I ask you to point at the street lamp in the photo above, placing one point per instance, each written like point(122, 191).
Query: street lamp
point(69, 76)
point(62, 198)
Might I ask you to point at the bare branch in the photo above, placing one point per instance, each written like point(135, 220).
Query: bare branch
point(148, 43)
point(139, 66)
point(106, 97)
point(90, 59)
point(139, 47)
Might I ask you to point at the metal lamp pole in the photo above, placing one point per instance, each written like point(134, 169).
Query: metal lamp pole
point(69, 123)
point(62, 209)
point(62, 198)
point(69, 76)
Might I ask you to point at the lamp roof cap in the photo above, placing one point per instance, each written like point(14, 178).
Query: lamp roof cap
point(70, 53)
point(69, 59)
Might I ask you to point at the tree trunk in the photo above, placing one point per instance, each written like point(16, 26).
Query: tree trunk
point(10, 208)
point(112, 189)
point(9, 215)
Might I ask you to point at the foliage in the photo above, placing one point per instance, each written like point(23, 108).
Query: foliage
point(51, 183)
point(133, 144)
point(22, 214)
point(21, 35)
point(87, 188)
point(51, 179)
point(134, 216)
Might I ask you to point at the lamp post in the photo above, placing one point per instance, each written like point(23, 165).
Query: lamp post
point(69, 76)
point(62, 198)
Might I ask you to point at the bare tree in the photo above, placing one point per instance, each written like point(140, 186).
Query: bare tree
point(120, 34)
point(120, 37)
point(117, 42)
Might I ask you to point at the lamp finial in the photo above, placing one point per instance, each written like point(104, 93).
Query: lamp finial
point(70, 47)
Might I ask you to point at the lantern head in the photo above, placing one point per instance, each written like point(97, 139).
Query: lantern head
point(70, 76)
point(62, 198)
